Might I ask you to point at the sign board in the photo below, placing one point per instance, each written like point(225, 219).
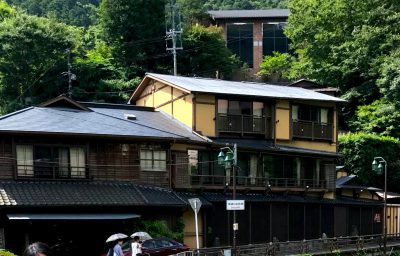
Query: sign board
point(195, 203)
point(234, 205)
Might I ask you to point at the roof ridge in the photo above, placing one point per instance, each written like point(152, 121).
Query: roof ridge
point(16, 112)
point(143, 125)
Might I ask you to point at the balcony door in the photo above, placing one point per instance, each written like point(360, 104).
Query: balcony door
point(241, 117)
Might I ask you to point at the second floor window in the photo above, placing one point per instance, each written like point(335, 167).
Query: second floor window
point(311, 122)
point(311, 113)
point(153, 160)
point(235, 107)
point(51, 161)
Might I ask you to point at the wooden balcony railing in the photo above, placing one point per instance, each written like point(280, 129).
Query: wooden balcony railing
point(244, 124)
point(256, 183)
point(312, 130)
point(51, 171)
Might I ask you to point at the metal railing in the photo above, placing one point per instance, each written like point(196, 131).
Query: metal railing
point(322, 246)
point(312, 130)
point(244, 124)
point(254, 182)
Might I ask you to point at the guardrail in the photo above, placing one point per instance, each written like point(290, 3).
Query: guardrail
point(322, 246)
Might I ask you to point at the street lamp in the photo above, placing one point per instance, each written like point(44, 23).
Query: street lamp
point(378, 167)
point(230, 160)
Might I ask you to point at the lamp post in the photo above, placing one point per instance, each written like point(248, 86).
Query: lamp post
point(230, 160)
point(378, 167)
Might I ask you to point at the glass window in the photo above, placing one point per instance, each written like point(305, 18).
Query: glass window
point(153, 160)
point(51, 161)
point(324, 115)
point(274, 38)
point(63, 162)
point(245, 108)
point(222, 106)
point(295, 112)
point(24, 160)
point(310, 113)
point(78, 162)
point(234, 107)
point(193, 161)
point(240, 41)
point(43, 161)
point(258, 108)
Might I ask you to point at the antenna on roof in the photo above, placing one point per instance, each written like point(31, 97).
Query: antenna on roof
point(173, 30)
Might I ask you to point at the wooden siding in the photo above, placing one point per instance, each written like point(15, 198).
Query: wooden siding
point(7, 161)
point(111, 161)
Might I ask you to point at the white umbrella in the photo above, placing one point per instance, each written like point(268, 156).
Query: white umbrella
point(142, 235)
point(116, 237)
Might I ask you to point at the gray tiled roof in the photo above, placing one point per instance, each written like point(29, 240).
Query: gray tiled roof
point(270, 13)
point(267, 145)
point(154, 119)
point(52, 193)
point(99, 121)
point(216, 86)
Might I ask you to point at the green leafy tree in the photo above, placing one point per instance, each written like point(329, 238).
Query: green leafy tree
point(359, 150)
point(135, 31)
point(5, 10)
point(32, 57)
point(380, 117)
point(205, 54)
point(389, 80)
point(72, 12)
point(342, 43)
point(193, 12)
point(275, 67)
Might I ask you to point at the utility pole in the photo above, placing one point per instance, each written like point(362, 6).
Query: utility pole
point(71, 76)
point(173, 30)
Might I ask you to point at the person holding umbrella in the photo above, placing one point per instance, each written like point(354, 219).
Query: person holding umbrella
point(118, 239)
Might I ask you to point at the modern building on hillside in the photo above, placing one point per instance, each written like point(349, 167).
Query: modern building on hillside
point(252, 34)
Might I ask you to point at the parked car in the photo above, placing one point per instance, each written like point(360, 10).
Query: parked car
point(161, 246)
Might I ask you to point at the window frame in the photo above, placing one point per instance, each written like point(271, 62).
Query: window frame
point(152, 159)
point(54, 164)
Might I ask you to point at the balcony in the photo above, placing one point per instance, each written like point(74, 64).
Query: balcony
point(312, 130)
point(51, 171)
point(244, 125)
point(249, 183)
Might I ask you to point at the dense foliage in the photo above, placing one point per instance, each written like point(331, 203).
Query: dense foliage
point(205, 54)
point(159, 228)
point(343, 43)
point(32, 54)
point(353, 45)
point(275, 67)
point(359, 150)
point(73, 12)
point(137, 37)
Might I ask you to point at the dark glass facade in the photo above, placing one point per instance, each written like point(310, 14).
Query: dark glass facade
point(274, 40)
point(240, 41)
